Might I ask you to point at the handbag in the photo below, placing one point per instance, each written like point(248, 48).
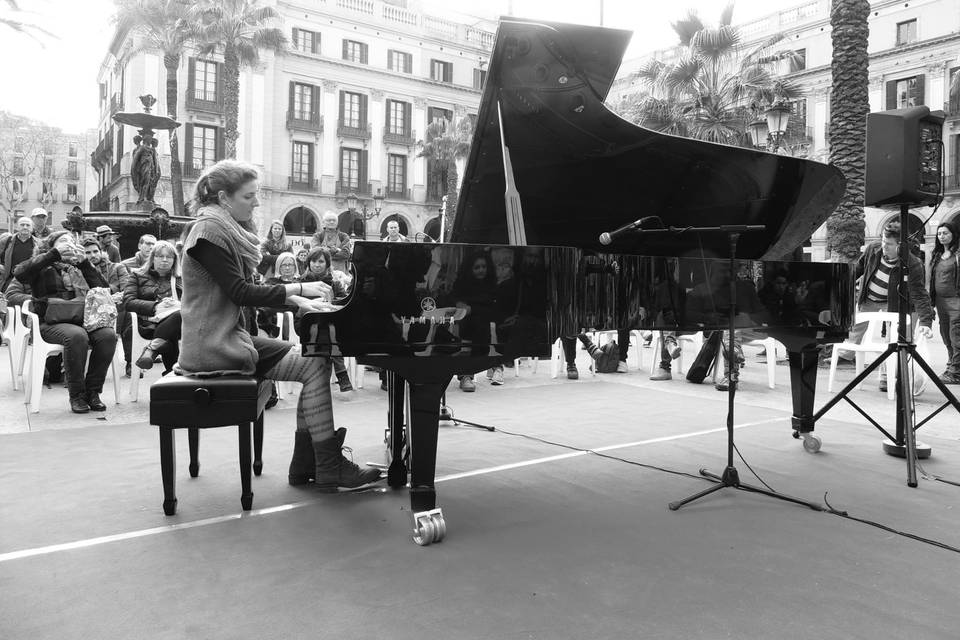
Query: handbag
point(99, 309)
point(163, 309)
point(60, 311)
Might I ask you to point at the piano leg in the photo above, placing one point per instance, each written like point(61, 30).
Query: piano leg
point(428, 523)
point(396, 431)
point(803, 383)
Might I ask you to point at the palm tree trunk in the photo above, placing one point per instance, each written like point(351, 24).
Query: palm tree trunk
point(171, 63)
point(231, 100)
point(849, 106)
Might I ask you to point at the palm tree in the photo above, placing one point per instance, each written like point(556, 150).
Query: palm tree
point(443, 146)
point(849, 106)
point(241, 28)
point(707, 92)
point(165, 25)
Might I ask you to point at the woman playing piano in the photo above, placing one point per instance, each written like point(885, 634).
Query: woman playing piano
point(221, 254)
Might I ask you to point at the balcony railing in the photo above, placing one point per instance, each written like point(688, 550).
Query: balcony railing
point(436, 191)
point(346, 188)
point(201, 102)
point(362, 132)
point(406, 139)
point(313, 122)
point(71, 199)
point(299, 184)
point(397, 194)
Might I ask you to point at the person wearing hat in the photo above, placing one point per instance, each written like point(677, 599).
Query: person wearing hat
point(107, 238)
point(16, 249)
point(40, 227)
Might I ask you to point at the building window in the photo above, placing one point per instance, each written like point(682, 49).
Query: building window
point(396, 175)
point(350, 168)
point(399, 61)
point(479, 77)
point(48, 167)
point(350, 115)
point(302, 163)
point(205, 81)
point(354, 51)
point(306, 41)
point(18, 145)
point(47, 189)
point(398, 117)
point(72, 173)
point(16, 186)
point(906, 32)
point(302, 101)
point(436, 114)
point(954, 103)
point(906, 92)
point(204, 146)
point(72, 191)
point(48, 148)
point(798, 60)
point(18, 166)
point(441, 71)
point(72, 149)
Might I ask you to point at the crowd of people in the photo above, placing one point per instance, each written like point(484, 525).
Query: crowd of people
point(222, 285)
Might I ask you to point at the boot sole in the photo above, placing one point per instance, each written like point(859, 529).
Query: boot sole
point(298, 481)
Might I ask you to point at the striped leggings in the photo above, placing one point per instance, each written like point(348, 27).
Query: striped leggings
point(315, 405)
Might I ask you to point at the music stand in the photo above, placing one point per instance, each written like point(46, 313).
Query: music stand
point(904, 443)
point(730, 477)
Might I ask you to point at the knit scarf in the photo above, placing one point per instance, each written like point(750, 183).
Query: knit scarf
point(72, 279)
point(243, 243)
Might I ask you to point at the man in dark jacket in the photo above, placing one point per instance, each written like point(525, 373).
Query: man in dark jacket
point(15, 249)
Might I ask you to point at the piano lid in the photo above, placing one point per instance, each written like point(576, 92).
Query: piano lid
point(581, 170)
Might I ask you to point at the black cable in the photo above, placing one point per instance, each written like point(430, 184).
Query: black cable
point(912, 536)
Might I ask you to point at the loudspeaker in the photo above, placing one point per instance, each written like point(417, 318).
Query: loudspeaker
point(904, 157)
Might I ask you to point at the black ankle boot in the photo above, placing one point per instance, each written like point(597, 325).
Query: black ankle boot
point(78, 404)
point(151, 351)
point(333, 470)
point(302, 465)
point(94, 402)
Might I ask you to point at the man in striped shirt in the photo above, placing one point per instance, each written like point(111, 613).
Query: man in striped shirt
point(880, 271)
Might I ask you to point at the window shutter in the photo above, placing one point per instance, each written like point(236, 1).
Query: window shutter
point(296, 38)
point(403, 176)
point(363, 111)
point(192, 76)
point(448, 72)
point(921, 99)
point(219, 146)
point(341, 107)
point(119, 143)
point(363, 53)
point(407, 108)
point(292, 98)
point(315, 45)
point(310, 163)
point(388, 111)
point(315, 103)
point(364, 155)
point(345, 45)
point(891, 94)
point(408, 63)
point(188, 145)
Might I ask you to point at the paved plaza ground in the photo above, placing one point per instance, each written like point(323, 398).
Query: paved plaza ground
point(544, 540)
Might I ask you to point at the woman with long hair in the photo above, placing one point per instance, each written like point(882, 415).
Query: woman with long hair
point(153, 292)
point(945, 295)
point(319, 269)
point(221, 254)
point(272, 246)
point(476, 291)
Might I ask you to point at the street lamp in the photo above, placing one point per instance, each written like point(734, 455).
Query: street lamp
point(778, 115)
point(363, 214)
point(758, 131)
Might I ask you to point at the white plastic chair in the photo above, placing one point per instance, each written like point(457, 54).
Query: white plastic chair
point(873, 341)
point(695, 339)
point(38, 351)
point(137, 344)
point(13, 332)
point(771, 346)
point(285, 320)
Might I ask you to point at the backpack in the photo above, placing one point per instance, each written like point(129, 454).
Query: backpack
point(607, 358)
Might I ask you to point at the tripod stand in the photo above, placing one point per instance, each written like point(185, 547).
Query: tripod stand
point(730, 477)
point(904, 443)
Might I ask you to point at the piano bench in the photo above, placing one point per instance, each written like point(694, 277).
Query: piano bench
point(184, 402)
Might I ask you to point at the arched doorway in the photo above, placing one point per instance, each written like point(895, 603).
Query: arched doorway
point(432, 229)
point(397, 218)
point(350, 224)
point(300, 221)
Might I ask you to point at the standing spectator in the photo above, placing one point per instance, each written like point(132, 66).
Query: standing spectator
point(15, 249)
point(60, 270)
point(393, 233)
point(221, 254)
point(107, 238)
point(144, 247)
point(152, 291)
point(40, 227)
point(475, 291)
point(335, 241)
point(272, 246)
point(945, 296)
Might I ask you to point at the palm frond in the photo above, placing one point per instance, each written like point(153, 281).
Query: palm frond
point(726, 16)
point(716, 43)
point(687, 28)
point(683, 75)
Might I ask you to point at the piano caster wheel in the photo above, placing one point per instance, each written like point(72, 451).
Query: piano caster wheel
point(811, 442)
point(429, 527)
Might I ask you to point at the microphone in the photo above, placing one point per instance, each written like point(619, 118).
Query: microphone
point(609, 236)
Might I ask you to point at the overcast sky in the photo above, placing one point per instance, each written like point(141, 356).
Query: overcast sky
point(56, 81)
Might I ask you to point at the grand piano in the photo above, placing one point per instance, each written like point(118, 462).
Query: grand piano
point(550, 170)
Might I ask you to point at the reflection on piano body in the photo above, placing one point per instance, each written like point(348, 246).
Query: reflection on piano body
point(425, 312)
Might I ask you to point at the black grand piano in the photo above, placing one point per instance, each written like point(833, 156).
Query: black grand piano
point(550, 170)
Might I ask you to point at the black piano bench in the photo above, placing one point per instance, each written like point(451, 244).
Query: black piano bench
point(184, 402)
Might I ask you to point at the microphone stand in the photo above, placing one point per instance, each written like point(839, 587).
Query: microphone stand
point(730, 477)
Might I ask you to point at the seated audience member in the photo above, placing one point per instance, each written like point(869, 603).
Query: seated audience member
point(15, 248)
point(114, 273)
point(60, 270)
point(108, 244)
point(153, 292)
point(319, 270)
point(335, 241)
point(475, 290)
point(302, 264)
